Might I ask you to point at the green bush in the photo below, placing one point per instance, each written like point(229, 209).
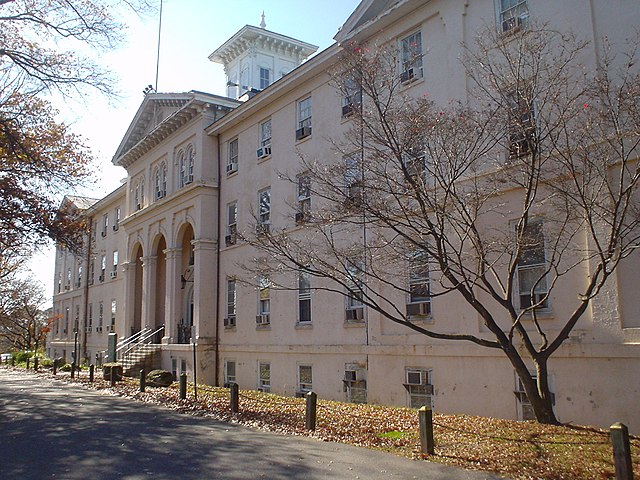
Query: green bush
point(21, 357)
point(45, 362)
point(65, 368)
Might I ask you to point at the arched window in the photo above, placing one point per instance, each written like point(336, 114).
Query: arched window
point(182, 169)
point(138, 194)
point(189, 167)
point(160, 181)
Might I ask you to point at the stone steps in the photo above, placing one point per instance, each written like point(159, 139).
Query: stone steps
point(143, 356)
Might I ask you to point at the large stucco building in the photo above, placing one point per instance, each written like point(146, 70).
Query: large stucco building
point(165, 248)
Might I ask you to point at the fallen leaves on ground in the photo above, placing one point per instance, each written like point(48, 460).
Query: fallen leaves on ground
point(518, 450)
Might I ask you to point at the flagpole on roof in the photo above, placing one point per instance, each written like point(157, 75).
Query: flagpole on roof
point(158, 53)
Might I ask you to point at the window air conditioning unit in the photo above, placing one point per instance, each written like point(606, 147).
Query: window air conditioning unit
point(264, 389)
point(230, 240)
point(99, 329)
point(232, 168)
point(350, 376)
point(101, 278)
point(115, 227)
point(263, 152)
point(262, 319)
point(230, 321)
point(407, 76)
point(113, 274)
point(87, 329)
point(418, 309)
point(303, 133)
point(355, 314)
point(514, 24)
point(104, 233)
point(111, 328)
point(67, 287)
point(262, 228)
point(347, 109)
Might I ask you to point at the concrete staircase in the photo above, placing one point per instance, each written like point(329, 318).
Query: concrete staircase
point(141, 356)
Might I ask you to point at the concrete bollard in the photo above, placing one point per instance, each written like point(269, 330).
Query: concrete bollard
point(183, 386)
point(73, 369)
point(92, 369)
point(112, 377)
point(35, 364)
point(28, 363)
point(143, 380)
point(621, 451)
point(427, 444)
point(235, 397)
point(311, 411)
point(55, 366)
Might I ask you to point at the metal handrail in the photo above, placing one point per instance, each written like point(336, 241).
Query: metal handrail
point(133, 338)
point(142, 340)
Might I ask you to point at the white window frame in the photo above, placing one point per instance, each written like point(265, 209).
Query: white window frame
point(303, 205)
point(524, 410)
point(232, 224)
point(304, 114)
point(419, 278)
point(265, 80)
point(114, 309)
point(228, 377)
point(100, 317)
point(232, 156)
point(264, 301)
point(264, 376)
point(190, 164)
point(264, 210)
point(352, 96)
point(528, 267)
point(182, 169)
point(512, 15)
point(231, 303)
point(411, 57)
point(304, 297)
point(304, 386)
point(354, 304)
point(419, 392)
point(265, 133)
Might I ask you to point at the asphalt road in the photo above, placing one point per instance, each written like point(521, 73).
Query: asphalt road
point(50, 429)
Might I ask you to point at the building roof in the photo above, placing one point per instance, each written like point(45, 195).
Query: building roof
point(81, 203)
point(147, 129)
point(249, 36)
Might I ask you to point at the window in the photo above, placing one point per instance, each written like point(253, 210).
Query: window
point(182, 170)
point(105, 224)
point(264, 211)
point(76, 320)
point(92, 271)
point(265, 75)
point(354, 310)
point(304, 119)
point(304, 297)
point(353, 180)
point(59, 282)
point(66, 321)
point(114, 269)
point(112, 326)
point(232, 224)
point(264, 376)
point(230, 319)
point(100, 317)
point(68, 285)
point(419, 298)
point(232, 157)
point(531, 265)
point(229, 372)
point(265, 139)
point(160, 181)
point(103, 267)
point(264, 301)
point(352, 96)
point(190, 158)
point(355, 385)
point(414, 162)
point(522, 123)
point(411, 57)
point(513, 15)
point(116, 224)
point(89, 327)
point(79, 278)
point(419, 387)
point(305, 378)
point(304, 198)
point(523, 405)
point(138, 194)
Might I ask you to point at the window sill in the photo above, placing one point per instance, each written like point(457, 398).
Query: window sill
point(412, 82)
point(354, 323)
point(263, 159)
point(426, 319)
point(263, 327)
point(303, 139)
point(303, 326)
point(230, 328)
point(544, 313)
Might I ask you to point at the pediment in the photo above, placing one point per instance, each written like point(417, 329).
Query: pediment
point(365, 12)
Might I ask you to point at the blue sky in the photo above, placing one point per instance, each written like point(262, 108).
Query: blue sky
point(191, 30)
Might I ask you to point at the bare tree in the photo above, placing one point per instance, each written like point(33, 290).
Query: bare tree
point(499, 200)
point(40, 158)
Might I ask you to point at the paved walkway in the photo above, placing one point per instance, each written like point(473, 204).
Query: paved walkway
point(50, 429)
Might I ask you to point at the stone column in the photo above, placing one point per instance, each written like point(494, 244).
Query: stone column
point(148, 290)
point(129, 288)
point(172, 294)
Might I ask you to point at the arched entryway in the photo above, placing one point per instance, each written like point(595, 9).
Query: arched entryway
point(160, 286)
point(187, 260)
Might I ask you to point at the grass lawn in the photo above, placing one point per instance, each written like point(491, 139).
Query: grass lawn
point(519, 450)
